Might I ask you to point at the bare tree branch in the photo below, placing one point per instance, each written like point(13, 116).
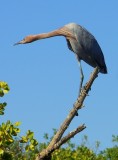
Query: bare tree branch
point(69, 136)
point(46, 153)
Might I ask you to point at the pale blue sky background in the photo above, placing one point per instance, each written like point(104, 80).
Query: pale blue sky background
point(44, 76)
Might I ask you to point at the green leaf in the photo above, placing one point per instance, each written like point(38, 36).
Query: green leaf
point(31, 147)
point(46, 136)
point(1, 113)
point(27, 148)
point(1, 151)
point(4, 87)
point(24, 139)
point(34, 142)
point(1, 93)
point(17, 123)
point(30, 134)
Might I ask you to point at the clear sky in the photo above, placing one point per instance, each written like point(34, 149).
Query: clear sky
point(44, 76)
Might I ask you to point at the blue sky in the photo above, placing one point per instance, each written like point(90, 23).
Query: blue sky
point(44, 76)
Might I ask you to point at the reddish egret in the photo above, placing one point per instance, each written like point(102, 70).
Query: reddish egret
point(80, 41)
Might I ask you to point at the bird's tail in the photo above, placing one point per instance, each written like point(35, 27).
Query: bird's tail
point(103, 69)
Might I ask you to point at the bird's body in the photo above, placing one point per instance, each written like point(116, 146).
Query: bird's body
point(80, 41)
point(86, 47)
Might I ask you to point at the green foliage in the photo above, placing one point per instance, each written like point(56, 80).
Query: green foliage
point(73, 152)
point(4, 88)
point(8, 132)
point(2, 107)
point(17, 152)
point(115, 138)
point(29, 140)
point(82, 151)
point(111, 153)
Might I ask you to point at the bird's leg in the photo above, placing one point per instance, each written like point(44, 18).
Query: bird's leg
point(81, 77)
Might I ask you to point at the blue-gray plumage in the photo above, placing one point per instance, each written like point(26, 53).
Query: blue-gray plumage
point(80, 41)
point(86, 47)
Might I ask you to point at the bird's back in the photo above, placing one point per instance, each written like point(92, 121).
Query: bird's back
point(86, 47)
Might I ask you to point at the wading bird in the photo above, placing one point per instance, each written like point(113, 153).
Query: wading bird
point(80, 41)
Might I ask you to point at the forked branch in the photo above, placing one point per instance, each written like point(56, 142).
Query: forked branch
point(57, 140)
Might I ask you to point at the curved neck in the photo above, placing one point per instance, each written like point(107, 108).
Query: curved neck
point(59, 32)
point(46, 35)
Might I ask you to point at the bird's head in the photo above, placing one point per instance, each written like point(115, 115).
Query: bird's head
point(27, 39)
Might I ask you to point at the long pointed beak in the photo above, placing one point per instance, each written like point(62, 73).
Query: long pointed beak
point(20, 42)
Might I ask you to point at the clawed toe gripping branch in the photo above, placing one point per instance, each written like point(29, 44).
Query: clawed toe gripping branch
point(58, 140)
